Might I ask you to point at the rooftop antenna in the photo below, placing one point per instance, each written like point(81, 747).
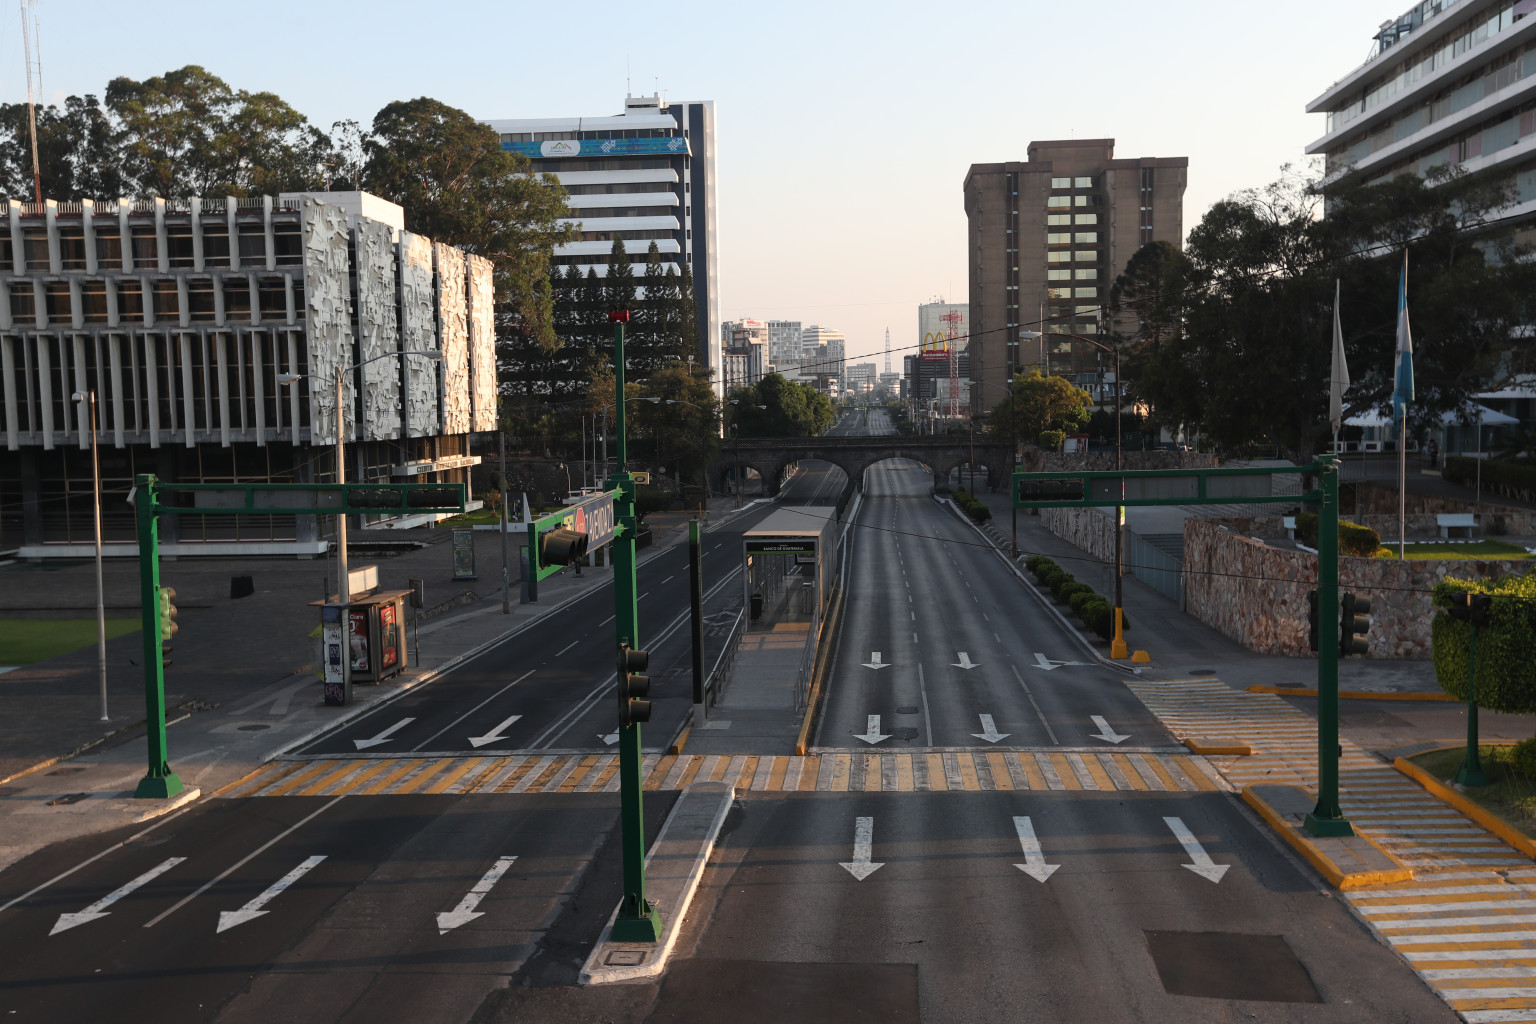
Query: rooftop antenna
point(627, 85)
point(32, 46)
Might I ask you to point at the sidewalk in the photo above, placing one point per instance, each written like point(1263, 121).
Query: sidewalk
point(240, 688)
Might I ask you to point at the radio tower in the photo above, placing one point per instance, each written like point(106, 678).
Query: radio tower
point(953, 317)
point(33, 46)
point(887, 350)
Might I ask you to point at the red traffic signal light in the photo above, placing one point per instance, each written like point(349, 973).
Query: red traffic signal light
point(618, 316)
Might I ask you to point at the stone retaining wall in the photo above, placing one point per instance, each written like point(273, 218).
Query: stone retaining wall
point(1257, 594)
point(1375, 503)
point(1090, 529)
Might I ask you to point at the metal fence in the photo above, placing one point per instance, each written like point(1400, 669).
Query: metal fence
point(1152, 563)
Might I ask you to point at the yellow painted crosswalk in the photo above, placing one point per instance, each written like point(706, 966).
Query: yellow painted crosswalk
point(836, 772)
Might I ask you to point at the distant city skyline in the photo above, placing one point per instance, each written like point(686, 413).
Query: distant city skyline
point(840, 183)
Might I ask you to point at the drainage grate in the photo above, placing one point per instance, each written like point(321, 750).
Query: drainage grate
point(1227, 965)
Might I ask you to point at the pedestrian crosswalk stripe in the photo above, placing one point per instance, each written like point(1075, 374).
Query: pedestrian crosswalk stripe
point(837, 772)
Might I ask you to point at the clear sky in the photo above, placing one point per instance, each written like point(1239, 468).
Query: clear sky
point(845, 128)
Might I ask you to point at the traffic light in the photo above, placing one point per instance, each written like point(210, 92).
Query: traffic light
point(1470, 607)
point(168, 627)
point(562, 546)
point(1354, 622)
point(1312, 639)
point(633, 686)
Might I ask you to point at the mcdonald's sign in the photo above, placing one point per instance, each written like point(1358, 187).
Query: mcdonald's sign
point(935, 346)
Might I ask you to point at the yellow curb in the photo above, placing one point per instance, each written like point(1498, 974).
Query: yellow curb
point(248, 775)
point(1225, 748)
point(819, 668)
point(1289, 691)
point(682, 737)
point(1320, 860)
point(1484, 817)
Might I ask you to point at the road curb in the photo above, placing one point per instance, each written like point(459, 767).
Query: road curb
point(1217, 748)
point(832, 636)
point(1490, 821)
point(1045, 602)
point(1287, 691)
point(1364, 863)
point(674, 866)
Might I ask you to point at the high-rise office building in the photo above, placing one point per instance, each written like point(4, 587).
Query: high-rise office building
point(645, 175)
point(1449, 83)
point(746, 352)
point(784, 345)
point(821, 353)
point(1047, 237)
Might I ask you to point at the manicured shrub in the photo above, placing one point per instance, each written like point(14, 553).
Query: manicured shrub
point(1059, 585)
point(1037, 563)
point(1078, 598)
point(1355, 540)
point(1052, 440)
point(1072, 589)
point(1099, 617)
point(1522, 758)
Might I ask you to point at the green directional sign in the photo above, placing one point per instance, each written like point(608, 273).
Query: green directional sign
point(563, 537)
point(309, 499)
point(1085, 489)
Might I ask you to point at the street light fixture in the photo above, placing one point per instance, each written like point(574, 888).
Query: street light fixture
point(89, 398)
point(1044, 365)
point(343, 569)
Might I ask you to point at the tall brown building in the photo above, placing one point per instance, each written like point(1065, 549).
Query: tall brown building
point(1047, 237)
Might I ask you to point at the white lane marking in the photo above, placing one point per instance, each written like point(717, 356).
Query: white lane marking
point(567, 647)
point(1105, 733)
point(465, 912)
point(1034, 858)
point(252, 910)
point(965, 662)
point(1203, 865)
point(472, 710)
point(922, 688)
point(605, 622)
point(278, 701)
point(997, 638)
point(989, 731)
point(875, 662)
point(98, 910)
point(243, 861)
point(872, 733)
point(495, 734)
point(383, 737)
point(669, 579)
point(609, 739)
point(1040, 714)
point(861, 867)
point(1042, 662)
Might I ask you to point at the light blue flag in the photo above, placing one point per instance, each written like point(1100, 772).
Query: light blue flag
point(1402, 391)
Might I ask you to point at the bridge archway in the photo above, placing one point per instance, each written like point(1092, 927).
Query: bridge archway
point(771, 457)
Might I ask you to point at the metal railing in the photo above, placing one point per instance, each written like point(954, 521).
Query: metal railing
point(1155, 567)
point(725, 659)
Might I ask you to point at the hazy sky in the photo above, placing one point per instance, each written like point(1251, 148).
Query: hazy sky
point(844, 129)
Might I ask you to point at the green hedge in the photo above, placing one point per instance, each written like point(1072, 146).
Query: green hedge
point(1088, 605)
point(1506, 647)
point(1052, 440)
point(978, 512)
point(1354, 540)
point(1508, 479)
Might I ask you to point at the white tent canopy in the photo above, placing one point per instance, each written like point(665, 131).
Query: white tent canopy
point(1489, 417)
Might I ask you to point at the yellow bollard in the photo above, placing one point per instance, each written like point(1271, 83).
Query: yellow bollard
point(1117, 648)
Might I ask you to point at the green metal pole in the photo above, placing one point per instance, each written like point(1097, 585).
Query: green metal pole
point(637, 920)
point(1326, 819)
point(1471, 772)
point(159, 782)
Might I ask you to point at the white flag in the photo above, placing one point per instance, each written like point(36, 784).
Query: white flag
point(1339, 376)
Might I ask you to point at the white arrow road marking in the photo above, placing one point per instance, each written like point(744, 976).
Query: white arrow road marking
point(609, 739)
point(494, 735)
point(1042, 662)
point(1034, 858)
point(465, 912)
point(1105, 733)
point(965, 662)
point(872, 733)
point(863, 840)
point(384, 736)
point(99, 910)
point(989, 731)
point(1203, 865)
point(875, 662)
point(252, 910)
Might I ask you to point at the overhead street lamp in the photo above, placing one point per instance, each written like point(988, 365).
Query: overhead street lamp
point(89, 397)
point(1044, 365)
point(343, 569)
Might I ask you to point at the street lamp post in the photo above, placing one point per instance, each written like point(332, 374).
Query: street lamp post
point(343, 568)
point(101, 607)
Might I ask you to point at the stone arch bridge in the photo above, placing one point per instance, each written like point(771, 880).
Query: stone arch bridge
point(770, 456)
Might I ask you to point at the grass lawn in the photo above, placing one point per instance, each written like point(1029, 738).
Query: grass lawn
point(1509, 794)
point(1477, 549)
point(479, 517)
point(23, 641)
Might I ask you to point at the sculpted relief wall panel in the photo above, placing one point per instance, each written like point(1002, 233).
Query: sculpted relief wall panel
point(418, 332)
point(482, 343)
point(452, 316)
point(328, 315)
point(378, 330)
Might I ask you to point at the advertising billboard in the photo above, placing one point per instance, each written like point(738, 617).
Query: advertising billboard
point(935, 345)
point(554, 148)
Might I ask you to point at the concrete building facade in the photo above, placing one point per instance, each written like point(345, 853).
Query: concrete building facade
point(1046, 239)
point(745, 344)
point(644, 175)
point(1449, 84)
point(212, 332)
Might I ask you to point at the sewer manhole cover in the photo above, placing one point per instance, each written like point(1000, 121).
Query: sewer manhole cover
point(253, 727)
point(1227, 965)
point(1202, 672)
point(907, 710)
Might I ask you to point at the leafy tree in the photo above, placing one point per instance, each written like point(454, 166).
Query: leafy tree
point(457, 185)
point(76, 149)
point(1039, 403)
point(1234, 339)
point(685, 425)
point(793, 410)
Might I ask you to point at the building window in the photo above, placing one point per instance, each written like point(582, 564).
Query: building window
point(1086, 238)
point(109, 247)
point(237, 298)
point(146, 249)
point(35, 241)
point(130, 301)
point(1084, 256)
point(1058, 238)
point(253, 241)
point(288, 243)
point(1058, 202)
point(1055, 219)
point(178, 245)
point(1058, 293)
point(1087, 218)
point(215, 243)
point(1082, 183)
point(57, 298)
point(167, 303)
point(1086, 274)
point(1058, 275)
point(1058, 257)
point(1083, 201)
point(273, 296)
point(72, 246)
point(1088, 293)
point(93, 300)
point(23, 303)
point(1061, 183)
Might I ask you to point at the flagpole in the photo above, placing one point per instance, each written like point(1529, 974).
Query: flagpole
point(1402, 487)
